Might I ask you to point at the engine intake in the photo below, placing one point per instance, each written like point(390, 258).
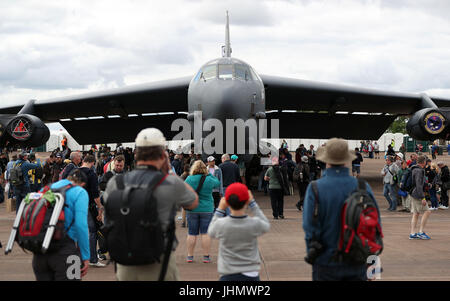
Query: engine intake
point(23, 130)
point(428, 124)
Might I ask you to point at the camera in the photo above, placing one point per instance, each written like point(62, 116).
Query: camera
point(314, 251)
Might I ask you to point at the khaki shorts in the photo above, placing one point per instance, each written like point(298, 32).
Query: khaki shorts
point(416, 205)
point(149, 272)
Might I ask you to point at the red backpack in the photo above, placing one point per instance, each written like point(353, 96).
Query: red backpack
point(361, 235)
point(35, 219)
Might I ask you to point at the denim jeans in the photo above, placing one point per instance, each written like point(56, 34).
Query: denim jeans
point(433, 198)
point(20, 192)
point(388, 192)
point(198, 222)
point(92, 239)
point(339, 273)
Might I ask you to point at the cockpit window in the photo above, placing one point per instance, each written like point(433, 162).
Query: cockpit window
point(242, 72)
point(225, 71)
point(209, 72)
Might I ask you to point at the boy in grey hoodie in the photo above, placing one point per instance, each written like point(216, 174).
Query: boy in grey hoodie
point(237, 233)
point(418, 201)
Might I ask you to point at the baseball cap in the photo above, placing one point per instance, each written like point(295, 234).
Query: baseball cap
point(211, 158)
point(150, 137)
point(234, 157)
point(58, 155)
point(305, 159)
point(238, 189)
point(400, 155)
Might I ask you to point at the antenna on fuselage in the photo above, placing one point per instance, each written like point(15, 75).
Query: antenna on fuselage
point(226, 50)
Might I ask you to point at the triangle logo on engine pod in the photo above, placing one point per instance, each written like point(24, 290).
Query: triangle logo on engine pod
point(21, 129)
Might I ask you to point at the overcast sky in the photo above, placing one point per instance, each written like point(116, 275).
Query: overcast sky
point(57, 48)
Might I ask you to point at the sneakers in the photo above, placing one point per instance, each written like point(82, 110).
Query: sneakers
point(414, 236)
point(443, 207)
point(97, 264)
point(190, 259)
point(206, 259)
point(281, 216)
point(423, 235)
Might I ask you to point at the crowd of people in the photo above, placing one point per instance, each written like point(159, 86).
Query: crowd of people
point(214, 201)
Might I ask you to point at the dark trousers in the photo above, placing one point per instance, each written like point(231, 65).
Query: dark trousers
point(238, 277)
point(341, 273)
point(35, 187)
point(277, 201)
point(2, 194)
point(301, 191)
point(20, 192)
point(444, 198)
point(216, 196)
point(57, 266)
point(92, 238)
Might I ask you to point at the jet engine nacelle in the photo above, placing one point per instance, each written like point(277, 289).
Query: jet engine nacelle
point(428, 124)
point(23, 130)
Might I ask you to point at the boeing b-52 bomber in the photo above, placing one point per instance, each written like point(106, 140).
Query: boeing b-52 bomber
point(226, 88)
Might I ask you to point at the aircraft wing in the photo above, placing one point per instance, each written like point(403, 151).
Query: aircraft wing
point(161, 96)
point(302, 95)
point(321, 110)
point(115, 114)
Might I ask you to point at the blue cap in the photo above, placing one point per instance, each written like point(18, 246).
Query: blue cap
point(234, 157)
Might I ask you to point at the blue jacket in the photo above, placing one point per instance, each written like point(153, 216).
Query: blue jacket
point(333, 188)
point(27, 166)
point(77, 201)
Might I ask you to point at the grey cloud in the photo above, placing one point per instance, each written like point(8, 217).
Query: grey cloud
point(246, 13)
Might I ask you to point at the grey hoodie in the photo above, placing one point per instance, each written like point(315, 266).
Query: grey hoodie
point(418, 178)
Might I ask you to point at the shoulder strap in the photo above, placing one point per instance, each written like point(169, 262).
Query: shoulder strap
point(200, 184)
point(63, 191)
point(361, 184)
point(316, 202)
point(120, 182)
point(171, 238)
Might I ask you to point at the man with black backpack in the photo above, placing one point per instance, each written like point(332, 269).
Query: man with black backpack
point(18, 177)
point(278, 187)
point(140, 207)
point(331, 203)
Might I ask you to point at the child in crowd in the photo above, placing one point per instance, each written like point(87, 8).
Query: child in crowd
point(239, 258)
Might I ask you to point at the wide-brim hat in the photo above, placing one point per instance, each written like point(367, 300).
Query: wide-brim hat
point(336, 152)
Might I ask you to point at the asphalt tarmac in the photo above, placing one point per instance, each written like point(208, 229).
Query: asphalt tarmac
point(283, 248)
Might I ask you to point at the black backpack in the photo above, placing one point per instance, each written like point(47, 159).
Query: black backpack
point(16, 175)
point(282, 177)
point(132, 230)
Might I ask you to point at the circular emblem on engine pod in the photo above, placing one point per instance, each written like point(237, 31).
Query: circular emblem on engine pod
point(434, 123)
point(20, 129)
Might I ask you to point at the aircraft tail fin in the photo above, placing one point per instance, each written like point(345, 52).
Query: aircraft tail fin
point(226, 50)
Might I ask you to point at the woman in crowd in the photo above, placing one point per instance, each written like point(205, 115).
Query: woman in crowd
point(198, 219)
